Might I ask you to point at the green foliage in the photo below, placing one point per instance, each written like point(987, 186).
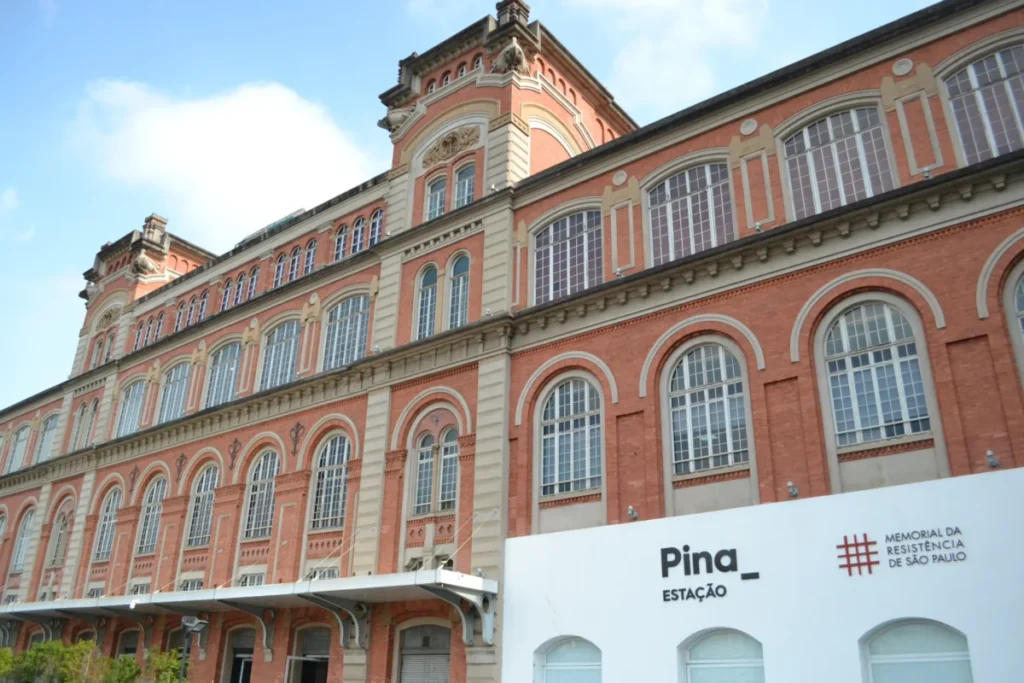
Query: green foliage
point(6, 663)
point(54, 662)
point(123, 670)
point(164, 667)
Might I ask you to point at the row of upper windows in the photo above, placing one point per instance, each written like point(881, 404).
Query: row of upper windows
point(436, 200)
point(460, 71)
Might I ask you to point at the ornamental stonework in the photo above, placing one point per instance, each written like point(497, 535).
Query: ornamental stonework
point(450, 145)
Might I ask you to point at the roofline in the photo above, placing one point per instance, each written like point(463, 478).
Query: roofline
point(193, 246)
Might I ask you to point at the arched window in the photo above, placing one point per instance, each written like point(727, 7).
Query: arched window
point(571, 660)
point(293, 264)
point(568, 256)
point(708, 413)
point(570, 436)
point(462, 70)
point(191, 312)
point(279, 270)
point(254, 278)
point(131, 408)
point(225, 299)
point(172, 404)
point(149, 333)
point(446, 79)
point(203, 302)
point(424, 655)
point(427, 305)
point(106, 526)
point(97, 353)
point(240, 289)
point(260, 509)
point(478, 62)
point(59, 540)
point(340, 243)
point(152, 507)
point(987, 98)
point(436, 197)
point(464, 180)
point(179, 317)
point(109, 354)
point(280, 355)
point(332, 484)
point(159, 332)
point(357, 235)
point(44, 449)
point(18, 447)
point(346, 332)
point(22, 541)
point(874, 375)
point(224, 375)
point(724, 655)
point(202, 508)
point(837, 160)
point(431, 86)
point(919, 651)
point(458, 304)
point(138, 336)
point(376, 226)
point(76, 436)
point(310, 259)
point(87, 436)
point(690, 212)
point(437, 481)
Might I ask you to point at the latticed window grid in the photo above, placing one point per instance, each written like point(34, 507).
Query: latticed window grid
point(44, 449)
point(152, 507)
point(179, 317)
point(252, 579)
point(149, 331)
point(464, 181)
point(708, 413)
point(254, 279)
point(279, 267)
point(90, 422)
point(323, 573)
point(172, 404)
point(225, 297)
point(140, 589)
point(332, 484)
point(192, 585)
point(376, 226)
point(987, 98)
point(76, 436)
point(22, 541)
point(138, 338)
point(436, 198)
point(448, 484)
point(159, 331)
point(725, 656)
point(837, 161)
point(18, 447)
point(281, 355)
point(437, 473)
point(874, 376)
point(340, 243)
point(223, 375)
point(571, 439)
point(106, 526)
point(458, 306)
point(131, 408)
point(424, 474)
point(346, 332)
point(59, 542)
point(202, 508)
point(240, 289)
point(191, 316)
point(357, 235)
point(203, 302)
point(293, 264)
point(260, 510)
point(568, 256)
point(690, 212)
point(427, 308)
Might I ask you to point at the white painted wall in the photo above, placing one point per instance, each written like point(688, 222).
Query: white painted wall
point(605, 584)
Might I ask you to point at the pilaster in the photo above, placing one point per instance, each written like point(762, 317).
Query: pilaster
point(391, 515)
point(76, 543)
point(226, 505)
point(31, 581)
point(102, 428)
point(291, 492)
point(371, 484)
point(464, 528)
point(385, 307)
point(124, 549)
point(172, 529)
point(508, 151)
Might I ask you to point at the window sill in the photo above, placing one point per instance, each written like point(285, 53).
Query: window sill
point(190, 548)
point(151, 553)
point(711, 476)
point(433, 516)
point(898, 444)
point(256, 539)
point(570, 498)
point(328, 530)
point(99, 560)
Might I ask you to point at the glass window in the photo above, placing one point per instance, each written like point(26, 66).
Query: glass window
point(357, 235)
point(690, 212)
point(568, 256)
point(837, 161)
point(106, 526)
point(874, 376)
point(340, 243)
point(376, 226)
point(464, 185)
point(987, 98)
point(725, 657)
point(708, 412)
point(25, 531)
point(332, 484)
point(202, 508)
point(424, 655)
point(436, 198)
point(76, 435)
point(18, 447)
point(260, 510)
point(97, 353)
point(172, 404)
point(309, 262)
point(224, 375)
point(446, 79)
point(572, 660)
point(203, 302)
point(225, 299)
point(90, 423)
point(431, 87)
point(138, 337)
point(152, 507)
point(436, 481)
point(191, 315)
point(346, 332)
point(149, 333)
point(293, 264)
point(478, 62)
point(458, 305)
point(281, 355)
point(919, 652)
point(427, 306)
point(571, 438)
point(59, 541)
point(240, 289)
point(131, 408)
point(254, 278)
point(44, 449)
point(462, 70)
point(109, 355)
point(279, 270)
point(179, 317)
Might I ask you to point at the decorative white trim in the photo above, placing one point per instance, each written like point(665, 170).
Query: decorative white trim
point(351, 432)
point(191, 468)
point(568, 355)
point(282, 458)
point(141, 482)
point(541, 124)
point(101, 491)
point(981, 289)
point(403, 417)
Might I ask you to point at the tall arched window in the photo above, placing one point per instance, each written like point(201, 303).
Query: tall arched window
point(59, 540)
point(131, 408)
point(106, 525)
point(376, 226)
point(138, 336)
point(431, 86)
point(109, 354)
point(426, 309)
point(346, 332)
point(424, 654)
point(97, 353)
point(19, 445)
point(172, 404)
point(224, 375)
point(571, 438)
point(464, 181)
point(225, 299)
point(192, 303)
point(568, 256)
point(309, 261)
point(240, 289)
point(293, 264)
point(436, 482)
point(259, 515)
point(254, 278)
point(22, 541)
point(149, 332)
point(44, 449)
point(724, 655)
point(436, 197)
point(87, 432)
point(279, 267)
point(837, 160)
point(201, 516)
point(281, 355)
point(357, 235)
point(159, 332)
point(446, 79)
point(340, 243)
point(478, 62)
point(571, 660)
point(152, 508)
point(179, 317)
point(332, 484)
point(874, 375)
point(690, 212)
point(76, 435)
point(458, 304)
point(708, 413)
point(912, 651)
point(204, 301)
point(987, 98)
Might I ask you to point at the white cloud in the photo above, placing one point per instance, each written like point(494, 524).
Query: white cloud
point(229, 163)
point(8, 200)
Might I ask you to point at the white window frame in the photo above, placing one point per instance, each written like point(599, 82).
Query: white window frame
point(309, 258)
point(47, 436)
point(191, 315)
point(690, 202)
point(179, 317)
point(922, 658)
point(19, 448)
point(22, 540)
point(175, 391)
point(201, 316)
point(200, 522)
point(346, 333)
point(106, 527)
point(549, 251)
point(340, 242)
point(279, 268)
point(293, 264)
point(594, 419)
point(149, 524)
point(687, 664)
point(435, 485)
point(465, 187)
point(260, 496)
point(225, 297)
point(254, 276)
point(240, 288)
point(545, 668)
point(280, 355)
point(129, 410)
point(458, 292)
point(222, 379)
point(358, 228)
point(330, 484)
point(435, 203)
point(56, 554)
point(426, 303)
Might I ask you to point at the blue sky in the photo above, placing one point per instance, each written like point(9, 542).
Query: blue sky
point(224, 116)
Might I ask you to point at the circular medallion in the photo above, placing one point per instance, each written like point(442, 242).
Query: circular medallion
point(901, 67)
point(748, 127)
point(619, 177)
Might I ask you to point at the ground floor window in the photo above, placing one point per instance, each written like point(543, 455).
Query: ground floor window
point(572, 660)
point(425, 653)
point(919, 652)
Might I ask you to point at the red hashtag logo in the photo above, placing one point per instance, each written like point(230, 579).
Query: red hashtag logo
point(857, 554)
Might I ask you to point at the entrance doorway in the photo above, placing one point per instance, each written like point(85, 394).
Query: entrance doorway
point(425, 654)
point(242, 643)
point(312, 659)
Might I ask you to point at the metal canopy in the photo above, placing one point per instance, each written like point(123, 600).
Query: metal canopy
point(349, 599)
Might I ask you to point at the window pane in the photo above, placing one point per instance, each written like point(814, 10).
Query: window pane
point(347, 332)
point(569, 256)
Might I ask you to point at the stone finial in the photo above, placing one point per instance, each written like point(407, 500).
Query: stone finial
point(154, 228)
point(512, 11)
